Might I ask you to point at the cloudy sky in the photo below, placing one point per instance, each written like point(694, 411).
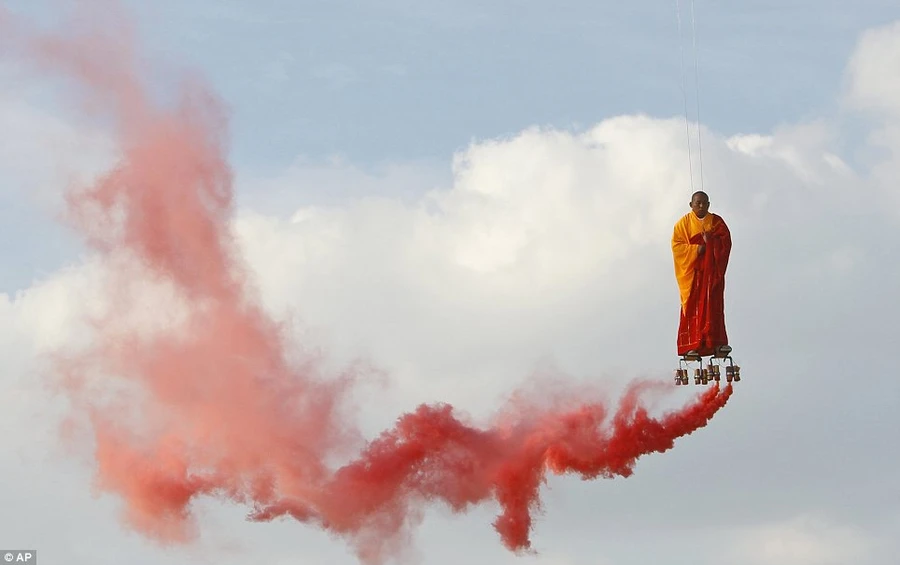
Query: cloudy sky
point(467, 193)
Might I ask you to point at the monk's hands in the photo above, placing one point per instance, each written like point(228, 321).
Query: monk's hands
point(702, 246)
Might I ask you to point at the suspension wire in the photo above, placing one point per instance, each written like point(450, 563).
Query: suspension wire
point(684, 91)
point(687, 127)
point(697, 86)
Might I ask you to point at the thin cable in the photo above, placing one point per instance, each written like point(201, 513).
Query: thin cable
point(687, 127)
point(697, 85)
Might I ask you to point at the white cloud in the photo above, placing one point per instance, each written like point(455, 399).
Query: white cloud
point(874, 81)
point(873, 88)
point(804, 540)
point(475, 284)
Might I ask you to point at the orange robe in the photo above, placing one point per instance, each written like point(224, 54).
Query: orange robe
point(701, 281)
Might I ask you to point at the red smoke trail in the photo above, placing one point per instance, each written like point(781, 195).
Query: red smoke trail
point(215, 405)
point(431, 455)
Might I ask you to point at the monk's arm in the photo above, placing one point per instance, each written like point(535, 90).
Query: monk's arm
point(683, 251)
point(723, 234)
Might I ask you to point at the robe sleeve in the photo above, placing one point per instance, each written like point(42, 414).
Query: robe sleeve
point(684, 254)
point(722, 248)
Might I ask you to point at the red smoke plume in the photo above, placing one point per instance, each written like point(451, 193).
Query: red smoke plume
point(217, 405)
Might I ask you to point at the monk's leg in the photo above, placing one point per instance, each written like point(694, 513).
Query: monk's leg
point(702, 328)
point(717, 334)
point(685, 342)
point(689, 338)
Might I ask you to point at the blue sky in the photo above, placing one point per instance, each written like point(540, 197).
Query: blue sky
point(351, 122)
point(403, 81)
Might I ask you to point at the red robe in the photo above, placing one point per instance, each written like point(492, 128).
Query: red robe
point(701, 282)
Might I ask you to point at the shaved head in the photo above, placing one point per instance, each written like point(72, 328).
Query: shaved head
point(700, 204)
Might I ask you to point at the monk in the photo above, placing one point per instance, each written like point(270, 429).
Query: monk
point(701, 246)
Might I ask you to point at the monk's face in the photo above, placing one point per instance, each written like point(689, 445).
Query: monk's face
point(700, 205)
